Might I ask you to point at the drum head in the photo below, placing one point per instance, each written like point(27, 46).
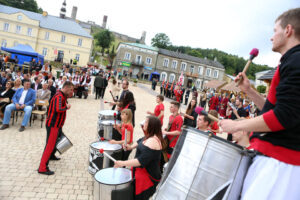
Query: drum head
point(113, 176)
point(107, 112)
point(106, 146)
point(109, 122)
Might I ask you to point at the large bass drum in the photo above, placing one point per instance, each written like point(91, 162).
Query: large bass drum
point(97, 160)
point(113, 184)
point(204, 166)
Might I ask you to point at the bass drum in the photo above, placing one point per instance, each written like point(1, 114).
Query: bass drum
point(204, 166)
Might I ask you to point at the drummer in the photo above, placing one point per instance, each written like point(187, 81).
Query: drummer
point(126, 118)
point(275, 171)
point(145, 165)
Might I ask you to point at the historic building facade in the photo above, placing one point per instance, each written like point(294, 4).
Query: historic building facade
point(54, 37)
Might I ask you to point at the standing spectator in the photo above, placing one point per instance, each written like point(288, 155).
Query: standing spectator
point(214, 102)
point(154, 82)
point(203, 98)
point(98, 83)
point(190, 116)
point(223, 105)
point(105, 83)
point(162, 87)
point(51, 88)
point(115, 91)
point(3, 80)
point(23, 99)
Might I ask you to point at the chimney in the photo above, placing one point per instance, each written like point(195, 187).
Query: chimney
point(45, 13)
point(143, 38)
point(74, 12)
point(63, 10)
point(104, 21)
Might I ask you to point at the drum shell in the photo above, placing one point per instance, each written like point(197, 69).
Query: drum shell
point(104, 191)
point(63, 144)
point(210, 164)
point(102, 161)
point(107, 131)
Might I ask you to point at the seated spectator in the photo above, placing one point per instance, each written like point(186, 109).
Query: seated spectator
point(26, 77)
point(203, 123)
point(51, 88)
point(43, 94)
point(3, 80)
point(61, 83)
point(23, 99)
point(37, 84)
point(5, 97)
point(17, 84)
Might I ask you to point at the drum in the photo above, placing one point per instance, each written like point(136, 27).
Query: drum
point(106, 130)
point(97, 160)
point(113, 184)
point(107, 114)
point(213, 167)
point(63, 144)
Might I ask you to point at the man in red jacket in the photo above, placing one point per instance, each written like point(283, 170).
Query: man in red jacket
point(55, 120)
point(275, 171)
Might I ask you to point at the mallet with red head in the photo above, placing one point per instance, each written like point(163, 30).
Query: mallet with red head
point(107, 155)
point(253, 54)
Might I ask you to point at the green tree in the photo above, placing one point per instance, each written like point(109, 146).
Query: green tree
point(30, 5)
point(104, 39)
point(261, 89)
point(161, 40)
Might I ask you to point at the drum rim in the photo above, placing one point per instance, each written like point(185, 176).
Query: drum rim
point(114, 184)
point(113, 122)
point(104, 149)
point(107, 110)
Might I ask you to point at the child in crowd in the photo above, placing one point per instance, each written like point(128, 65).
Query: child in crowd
point(126, 118)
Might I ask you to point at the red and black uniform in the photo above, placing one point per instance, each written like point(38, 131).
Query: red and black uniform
point(223, 107)
point(175, 124)
point(148, 175)
point(178, 94)
point(214, 102)
point(54, 123)
point(281, 112)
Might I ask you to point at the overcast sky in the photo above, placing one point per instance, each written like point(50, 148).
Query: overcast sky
point(233, 26)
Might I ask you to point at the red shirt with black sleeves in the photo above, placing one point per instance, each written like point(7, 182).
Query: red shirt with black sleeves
point(157, 111)
point(281, 112)
point(176, 126)
point(129, 128)
point(57, 110)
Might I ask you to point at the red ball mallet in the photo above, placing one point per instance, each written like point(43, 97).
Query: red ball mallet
point(107, 155)
point(102, 139)
point(200, 110)
point(254, 52)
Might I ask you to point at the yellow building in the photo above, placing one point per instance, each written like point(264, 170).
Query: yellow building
point(54, 37)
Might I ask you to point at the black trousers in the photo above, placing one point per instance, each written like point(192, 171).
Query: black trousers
point(103, 92)
point(98, 92)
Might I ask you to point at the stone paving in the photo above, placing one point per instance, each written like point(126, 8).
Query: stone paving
point(21, 152)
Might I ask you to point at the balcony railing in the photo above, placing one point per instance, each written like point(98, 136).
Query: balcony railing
point(194, 75)
point(138, 63)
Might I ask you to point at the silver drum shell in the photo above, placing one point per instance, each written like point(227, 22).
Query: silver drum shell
point(63, 144)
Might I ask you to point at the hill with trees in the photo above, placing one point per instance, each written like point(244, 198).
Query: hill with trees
point(30, 5)
point(233, 64)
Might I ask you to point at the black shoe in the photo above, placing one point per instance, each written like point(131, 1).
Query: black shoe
point(22, 128)
point(48, 172)
point(54, 158)
point(4, 126)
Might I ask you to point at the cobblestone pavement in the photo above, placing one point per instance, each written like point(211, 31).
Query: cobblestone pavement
point(21, 152)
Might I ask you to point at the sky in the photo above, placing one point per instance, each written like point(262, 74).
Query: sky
point(232, 26)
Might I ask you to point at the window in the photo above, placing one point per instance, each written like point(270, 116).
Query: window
point(18, 29)
point(77, 57)
point(216, 73)
point(171, 78)
point(63, 39)
point(6, 26)
point(198, 84)
point(192, 69)
point(138, 59)
point(148, 61)
point(200, 70)
point(166, 62)
point(79, 42)
point(163, 76)
point(183, 66)
point(29, 31)
point(174, 64)
point(44, 51)
point(19, 17)
point(208, 71)
point(3, 43)
point(127, 56)
point(47, 35)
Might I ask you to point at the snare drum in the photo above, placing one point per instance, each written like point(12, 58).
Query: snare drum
point(97, 160)
point(113, 184)
point(63, 144)
point(106, 130)
point(107, 114)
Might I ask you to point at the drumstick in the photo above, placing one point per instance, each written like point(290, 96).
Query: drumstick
point(115, 118)
point(125, 144)
point(107, 102)
point(253, 54)
point(201, 111)
point(107, 155)
point(112, 95)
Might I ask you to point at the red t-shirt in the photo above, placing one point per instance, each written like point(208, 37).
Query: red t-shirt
point(176, 126)
point(158, 110)
point(130, 128)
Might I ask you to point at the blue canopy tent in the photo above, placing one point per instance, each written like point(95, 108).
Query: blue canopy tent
point(25, 53)
point(154, 75)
